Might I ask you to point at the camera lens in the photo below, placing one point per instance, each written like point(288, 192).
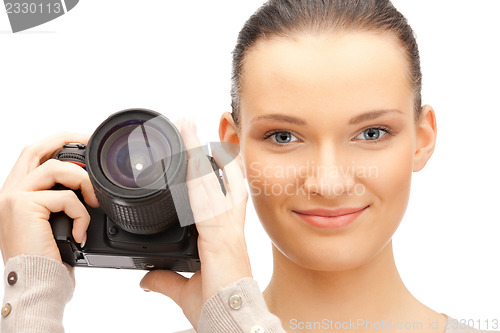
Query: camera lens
point(137, 161)
point(135, 155)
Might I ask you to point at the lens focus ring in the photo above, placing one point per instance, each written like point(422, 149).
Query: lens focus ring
point(149, 217)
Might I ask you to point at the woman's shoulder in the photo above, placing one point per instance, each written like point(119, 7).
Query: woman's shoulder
point(455, 326)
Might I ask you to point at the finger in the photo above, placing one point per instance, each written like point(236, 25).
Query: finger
point(43, 150)
point(32, 156)
point(179, 123)
point(201, 180)
point(201, 166)
point(234, 182)
point(191, 141)
point(67, 174)
point(67, 202)
point(168, 283)
point(205, 194)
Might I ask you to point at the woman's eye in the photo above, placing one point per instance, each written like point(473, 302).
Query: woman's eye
point(372, 134)
point(281, 137)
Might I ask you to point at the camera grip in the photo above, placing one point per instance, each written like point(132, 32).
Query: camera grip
point(62, 230)
point(62, 226)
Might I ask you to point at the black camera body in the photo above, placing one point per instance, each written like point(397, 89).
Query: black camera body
point(137, 163)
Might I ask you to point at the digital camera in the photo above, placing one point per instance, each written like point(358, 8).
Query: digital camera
point(137, 163)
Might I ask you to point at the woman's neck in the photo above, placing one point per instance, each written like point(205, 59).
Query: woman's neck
point(372, 293)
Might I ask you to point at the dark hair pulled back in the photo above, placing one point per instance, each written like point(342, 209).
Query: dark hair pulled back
point(283, 18)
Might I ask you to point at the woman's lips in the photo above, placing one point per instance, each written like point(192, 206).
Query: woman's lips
point(326, 218)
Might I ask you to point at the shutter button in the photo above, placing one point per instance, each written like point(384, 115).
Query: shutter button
point(6, 310)
point(235, 302)
point(12, 278)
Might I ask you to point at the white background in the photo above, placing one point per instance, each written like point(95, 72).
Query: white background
point(175, 57)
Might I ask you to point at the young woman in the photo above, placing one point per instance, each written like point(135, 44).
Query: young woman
point(327, 115)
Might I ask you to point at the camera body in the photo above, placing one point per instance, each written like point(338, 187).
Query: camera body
point(137, 164)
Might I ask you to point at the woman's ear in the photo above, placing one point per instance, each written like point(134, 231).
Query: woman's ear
point(426, 138)
point(228, 131)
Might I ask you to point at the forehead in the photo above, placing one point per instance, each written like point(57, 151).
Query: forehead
point(324, 72)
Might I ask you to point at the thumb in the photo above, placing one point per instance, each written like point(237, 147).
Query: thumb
point(166, 282)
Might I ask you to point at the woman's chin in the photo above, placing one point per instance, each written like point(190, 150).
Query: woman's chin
point(325, 258)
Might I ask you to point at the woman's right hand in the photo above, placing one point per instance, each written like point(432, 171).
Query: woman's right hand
point(26, 199)
point(220, 222)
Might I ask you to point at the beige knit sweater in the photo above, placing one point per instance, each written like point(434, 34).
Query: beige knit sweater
point(38, 288)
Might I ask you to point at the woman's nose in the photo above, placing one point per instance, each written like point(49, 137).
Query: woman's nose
point(329, 174)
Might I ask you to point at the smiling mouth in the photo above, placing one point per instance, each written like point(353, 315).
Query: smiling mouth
point(330, 219)
point(331, 212)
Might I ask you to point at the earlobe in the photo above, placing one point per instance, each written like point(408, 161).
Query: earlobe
point(426, 138)
point(228, 131)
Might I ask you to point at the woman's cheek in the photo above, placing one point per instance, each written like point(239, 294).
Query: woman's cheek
point(271, 177)
point(388, 187)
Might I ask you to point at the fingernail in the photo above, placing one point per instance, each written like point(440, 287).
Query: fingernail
point(146, 290)
point(84, 240)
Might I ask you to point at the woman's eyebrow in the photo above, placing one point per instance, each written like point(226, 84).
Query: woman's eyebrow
point(301, 122)
point(371, 115)
point(281, 117)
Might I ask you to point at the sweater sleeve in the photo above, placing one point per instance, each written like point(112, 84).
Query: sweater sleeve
point(36, 292)
point(238, 307)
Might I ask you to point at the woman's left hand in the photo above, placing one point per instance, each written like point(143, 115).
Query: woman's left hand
point(220, 223)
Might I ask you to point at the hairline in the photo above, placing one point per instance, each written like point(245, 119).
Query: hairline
point(304, 31)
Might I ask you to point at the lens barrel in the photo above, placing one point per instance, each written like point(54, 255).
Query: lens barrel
point(134, 160)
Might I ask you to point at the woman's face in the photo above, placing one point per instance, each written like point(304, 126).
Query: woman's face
point(327, 121)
